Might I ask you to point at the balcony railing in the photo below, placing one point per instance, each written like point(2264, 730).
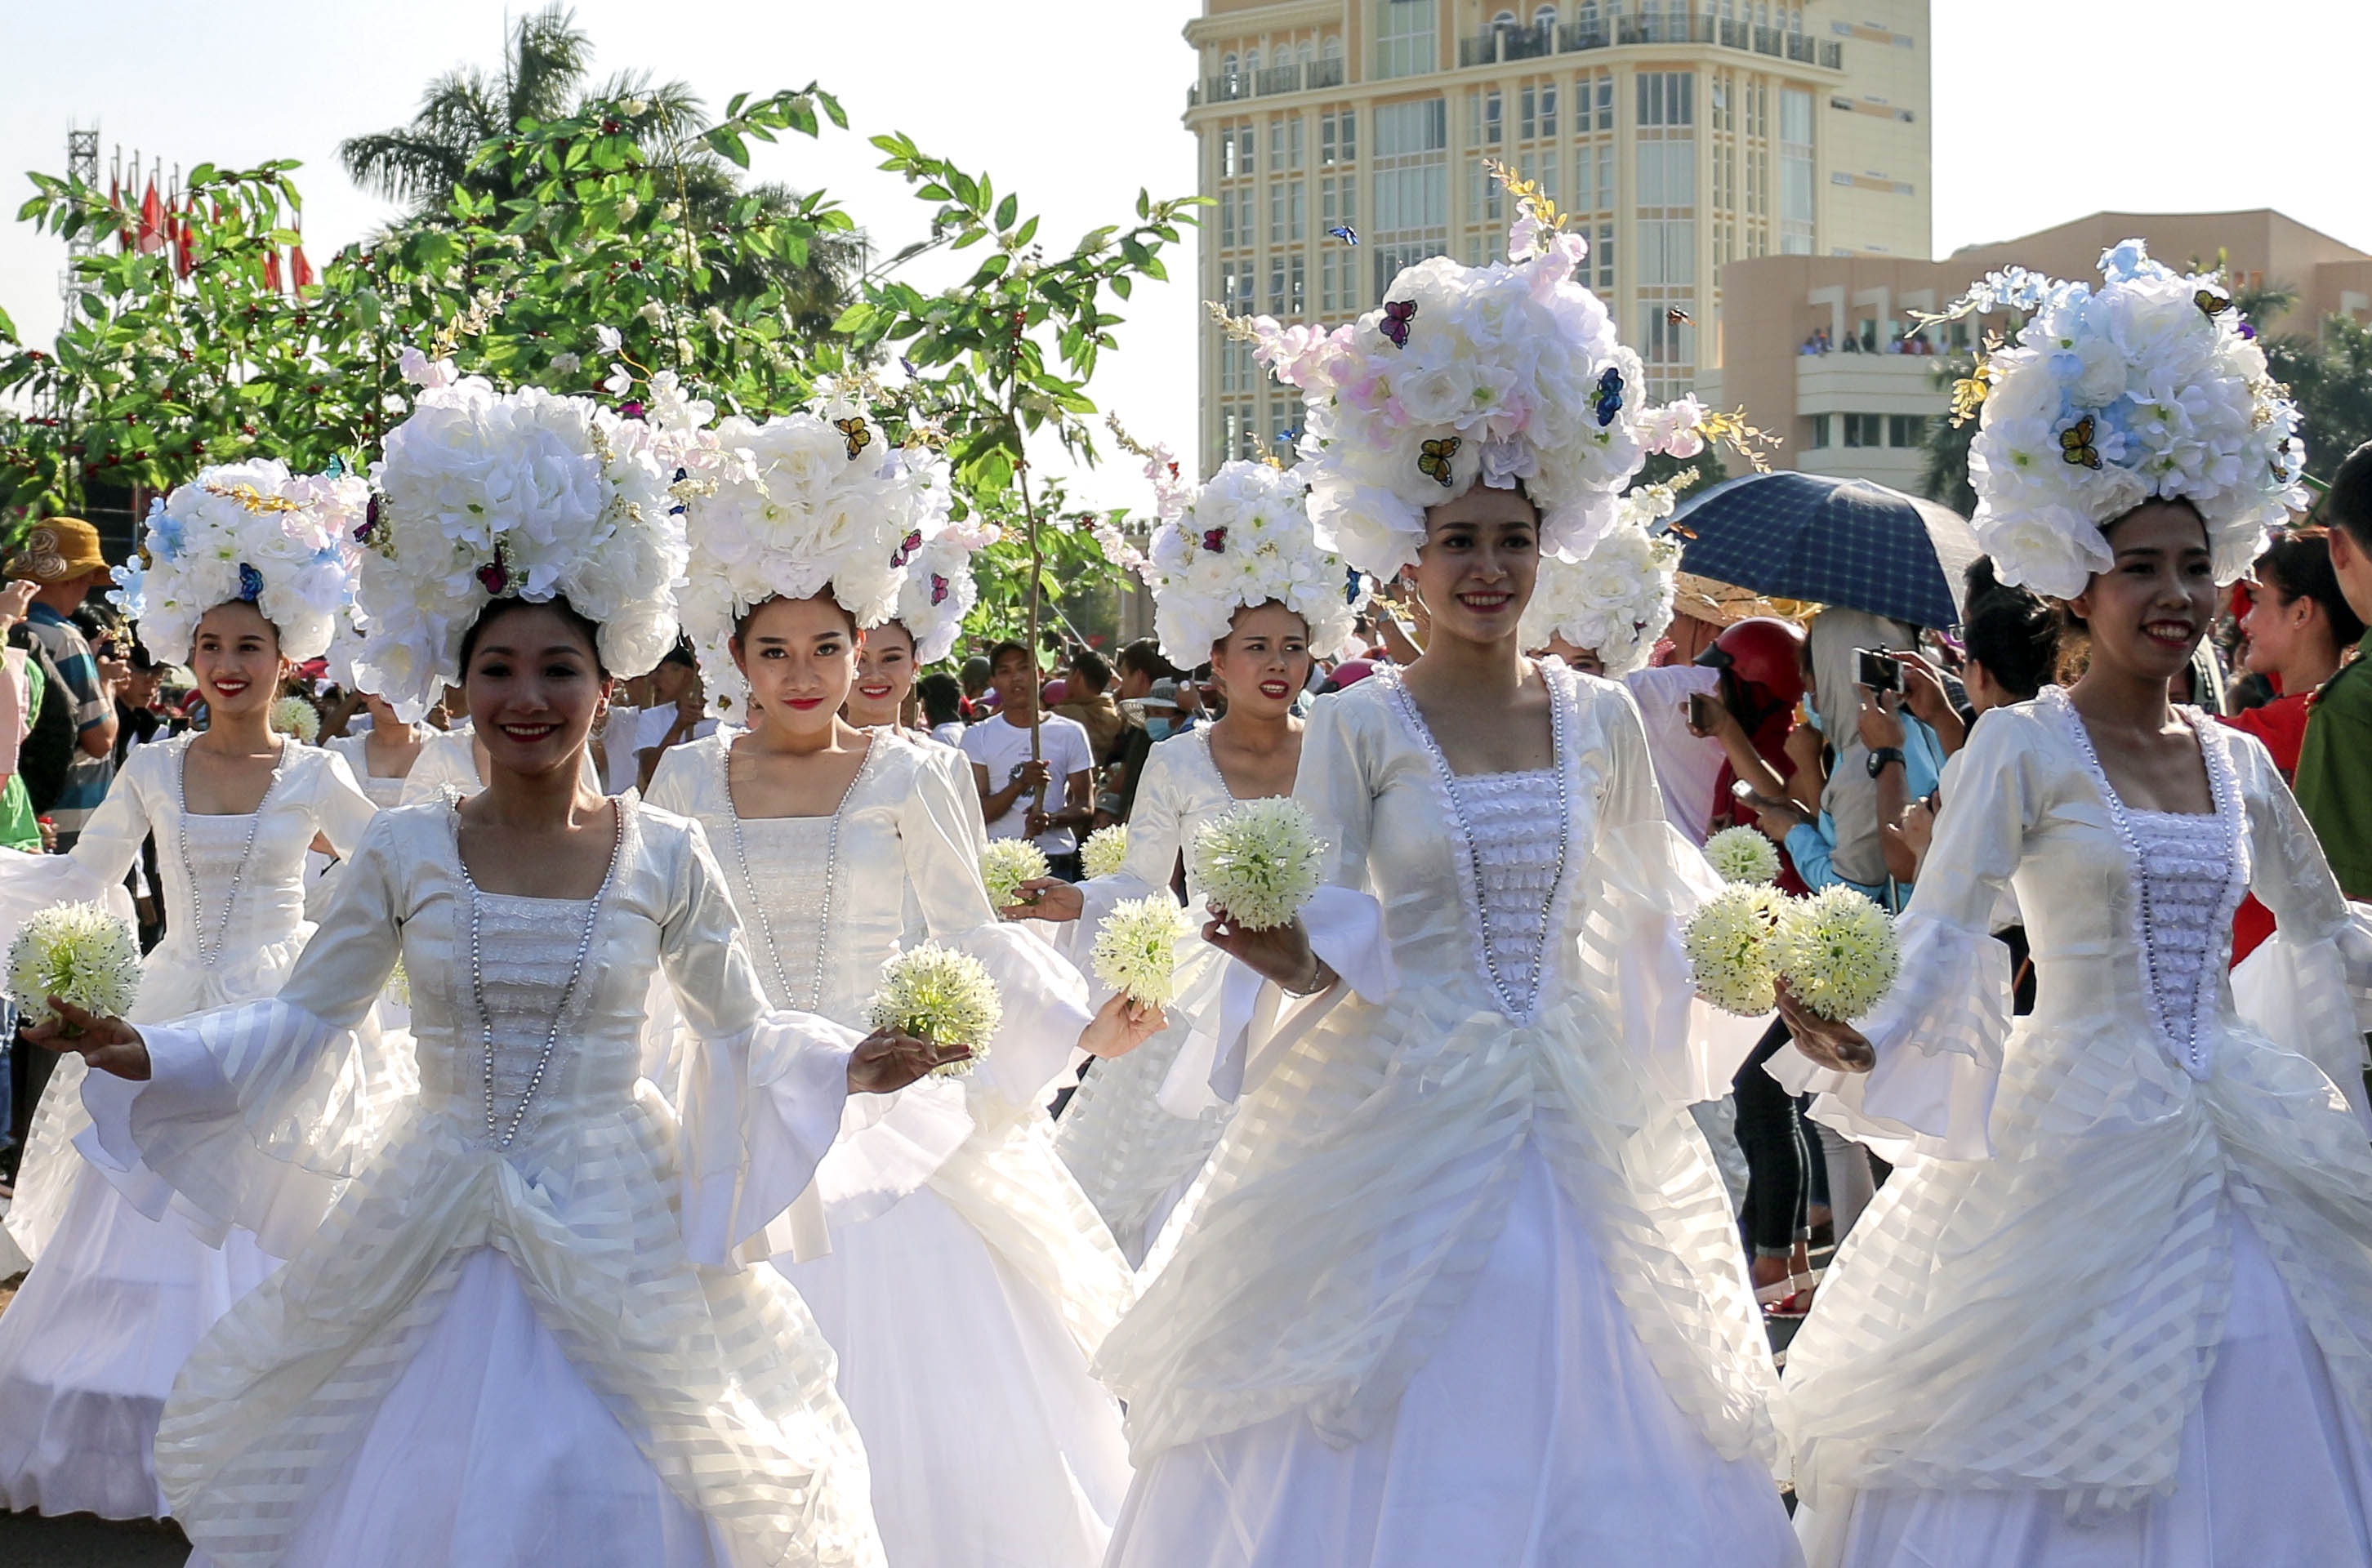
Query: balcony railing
point(1278, 79)
point(1235, 85)
point(1502, 44)
point(1322, 74)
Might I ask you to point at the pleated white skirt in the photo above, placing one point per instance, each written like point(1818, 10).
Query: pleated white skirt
point(1537, 1437)
point(990, 1445)
point(2275, 1471)
point(90, 1346)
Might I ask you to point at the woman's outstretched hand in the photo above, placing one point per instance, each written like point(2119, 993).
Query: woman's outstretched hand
point(110, 1045)
point(1120, 1026)
point(885, 1060)
point(1841, 1047)
point(1044, 897)
point(1281, 953)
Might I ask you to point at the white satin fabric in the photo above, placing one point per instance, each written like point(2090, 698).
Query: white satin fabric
point(320, 1423)
point(356, 749)
point(1363, 1205)
point(1134, 1155)
point(2019, 1355)
point(969, 1279)
point(125, 1282)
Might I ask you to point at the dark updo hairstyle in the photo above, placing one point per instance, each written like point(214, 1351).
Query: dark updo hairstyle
point(2297, 565)
point(2014, 634)
point(558, 604)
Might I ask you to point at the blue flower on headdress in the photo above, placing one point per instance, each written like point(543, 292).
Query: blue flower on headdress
point(2125, 263)
point(165, 537)
point(251, 583)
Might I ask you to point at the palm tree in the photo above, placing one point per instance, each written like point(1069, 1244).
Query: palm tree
point(546, 61)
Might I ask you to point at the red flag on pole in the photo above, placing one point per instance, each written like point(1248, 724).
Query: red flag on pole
point(272, 269)
point(185, 240)
point(115, 199)
point(300, 270)
point(152, 222)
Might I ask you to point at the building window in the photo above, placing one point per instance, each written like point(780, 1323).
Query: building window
point(1906, 430)
point(1864, 430)
point(1816, 431)
point(1408, 37)
point(1796, 192)
point(1486, 117)
point(1411, 174)
point(1338, 136)
point(1667, 174)
point(1603, 251)
point(1668, 252)
point(1669, 97)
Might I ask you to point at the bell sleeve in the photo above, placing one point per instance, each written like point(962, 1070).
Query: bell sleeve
point(1646, 881)
point(1940, 1034)
point(1155, 837)
point(256, 1115)
point(2309, 985)
point(760, 1092)
point(94, 870)
point(1045, 1000)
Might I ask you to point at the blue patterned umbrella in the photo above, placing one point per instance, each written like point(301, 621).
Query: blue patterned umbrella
point(1834, 541)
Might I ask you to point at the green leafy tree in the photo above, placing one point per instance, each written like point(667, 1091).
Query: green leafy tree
point(1946, 478)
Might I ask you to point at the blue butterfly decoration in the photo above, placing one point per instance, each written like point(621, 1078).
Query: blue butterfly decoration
point(251, 583)
point(678, 509)
point(1346, 233)
point(1609, 396)
point(336, 470)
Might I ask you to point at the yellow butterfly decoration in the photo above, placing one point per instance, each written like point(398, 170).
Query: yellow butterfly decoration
point(1434, 463)
point(2211, 302)
point(2075, 444)
point(854, 432)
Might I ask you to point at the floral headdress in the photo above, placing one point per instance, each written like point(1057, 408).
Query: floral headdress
point(1616, 600)
point(2149, 387)
point(800, 504)
point(247, 531)
point(1239, 540)
point(1507, 374)
point(938, 590)
point(527, 495)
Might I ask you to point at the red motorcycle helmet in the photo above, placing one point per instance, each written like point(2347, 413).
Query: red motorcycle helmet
point(1765, 657)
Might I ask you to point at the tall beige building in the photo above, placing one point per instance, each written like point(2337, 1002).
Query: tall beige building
point(1681, 135)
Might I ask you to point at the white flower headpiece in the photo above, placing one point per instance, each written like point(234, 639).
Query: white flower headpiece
point(252, 531)
point(1504, 374)
point(1616, 600)
point(938, 590)
point(486, 494)
point(2150, 387)
point(798, 503)
point(1239, 540)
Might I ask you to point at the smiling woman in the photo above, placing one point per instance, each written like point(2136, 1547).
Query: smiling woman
point(124, 1281)
point(1465, 1148)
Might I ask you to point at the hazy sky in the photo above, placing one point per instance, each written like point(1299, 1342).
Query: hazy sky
point(2045, 110)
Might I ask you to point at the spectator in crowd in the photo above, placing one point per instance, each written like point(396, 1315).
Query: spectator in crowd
point(974, 676)
point(941, 695)
point(1048, 798)
point(61, 558)
point(137, 722)
point(1141, 667)
point(678, 712)
point(2297, 627)
point(1087, 699)
point(2334, 766)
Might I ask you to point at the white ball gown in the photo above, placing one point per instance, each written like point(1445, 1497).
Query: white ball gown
point(1461, 1283)
point(1134, 1138)
point(513, 1336)
point(122, 1285)
point(2116, 1309)
point(968, 1278)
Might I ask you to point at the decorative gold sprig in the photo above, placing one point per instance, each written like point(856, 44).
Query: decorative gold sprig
point(1731, 430)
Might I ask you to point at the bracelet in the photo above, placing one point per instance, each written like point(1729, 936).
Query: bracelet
point(1321, 976)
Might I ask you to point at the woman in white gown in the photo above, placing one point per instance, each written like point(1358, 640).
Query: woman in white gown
point(381, 758)
point(1237, 580)
point(122, 1289)
point(1461, 1283)
point(2114, 1312)
point(514, 1335)
point(968, 1279)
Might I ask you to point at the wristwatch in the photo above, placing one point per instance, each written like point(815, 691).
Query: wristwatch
point(1881, 756)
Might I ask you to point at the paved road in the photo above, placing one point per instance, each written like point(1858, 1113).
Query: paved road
point(28, 1541)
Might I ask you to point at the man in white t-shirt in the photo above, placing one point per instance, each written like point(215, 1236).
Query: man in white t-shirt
point(677, 712)
point(1048, 801)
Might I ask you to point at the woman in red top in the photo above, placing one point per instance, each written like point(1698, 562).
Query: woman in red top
point(2298, 625)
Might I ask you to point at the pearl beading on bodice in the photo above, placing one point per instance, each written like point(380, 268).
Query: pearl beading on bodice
point(2188, 880)
point(1514, 822)
point(528, 953)
point(784, 866)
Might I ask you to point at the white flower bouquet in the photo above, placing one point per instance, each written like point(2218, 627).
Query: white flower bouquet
point(1006, 863)
point(1743, 855)
point(1837, 952)
point(1136, 948)
point(1728, 943)
point(1105, 850)
point(941, 995)
point(77, 953)
point(1260, 861)
point(295, 716)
